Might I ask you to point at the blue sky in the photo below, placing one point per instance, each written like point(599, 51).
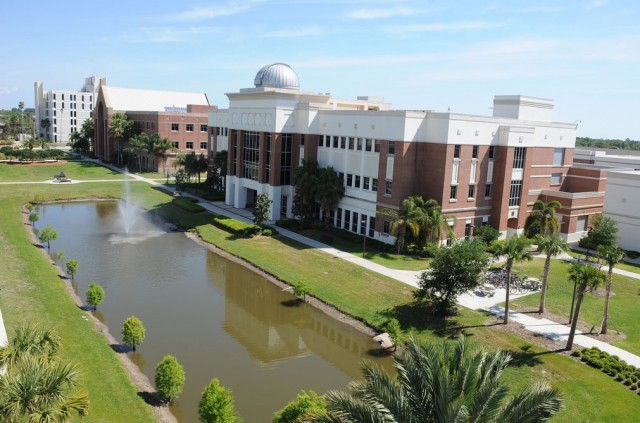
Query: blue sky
point(416, 54)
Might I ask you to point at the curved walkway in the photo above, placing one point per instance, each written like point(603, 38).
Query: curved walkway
point(545, 327)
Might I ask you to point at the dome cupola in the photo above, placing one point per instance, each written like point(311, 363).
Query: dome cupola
point(277, 75)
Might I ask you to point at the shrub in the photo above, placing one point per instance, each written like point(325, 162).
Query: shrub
point(235, 226)
point(633, 387)
point(267, 232)
point(627, 382)
point(619, 377)
point(287, 223)
point(576, 353)
point(188, 205)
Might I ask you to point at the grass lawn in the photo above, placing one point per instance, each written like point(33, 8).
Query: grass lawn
point(73, 170)
point(390, 260)
point(30, 290)
point(623, 306)
point(625, 265)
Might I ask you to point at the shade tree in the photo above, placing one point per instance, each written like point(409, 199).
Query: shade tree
point(133, 332)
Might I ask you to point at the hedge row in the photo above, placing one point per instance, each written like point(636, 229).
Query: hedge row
point(622, 372)
point(26, 154)
point(188, 205)
point(235, 226)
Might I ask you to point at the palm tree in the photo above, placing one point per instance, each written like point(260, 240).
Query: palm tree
point(41, 391)
point(45, 124)
point(120, 128)
point(160, 146)
point(329, 191)
point(612, 255)
point(515, 250)
point(542, 219)
point(306, 178)
point(29, 340)
point(138, 145)
point(410, 217)
point(435, 223)
point(584, 276)
point(551, 245)
point(448, 383)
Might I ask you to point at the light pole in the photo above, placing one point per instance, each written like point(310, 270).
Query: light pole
point(364, 235)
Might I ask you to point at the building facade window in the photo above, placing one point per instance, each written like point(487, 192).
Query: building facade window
point(515, 193)
point(354, 222)
point(250, 155)
point(385, 227)
point(357, 181)
point(203, 128)
point(474, 152)
point(343, 143)
point(368, 144)
point(581, 223)
point(203, 145)
point(467, 230)
point(175, 127)
point(519, 154)
point(376, 146)
point(456, 151)
point(558, 156)
point(492, 152)
point(336, 141)
point(472, 191)
point(347, 219)
point(453, 193)
point(189, 127)
point(189, 145)
point(359, 144)
point(391, 150)
point(267, 156)
point(487, 190)
point(352, 143)
point(374, 184)
point(283, 206)
point(301, 140)
point(556, 178)
point(285, 159)
point(176, 144)
point(388, 187)
point(372, 226)
point(349, 179)
point(365, 183)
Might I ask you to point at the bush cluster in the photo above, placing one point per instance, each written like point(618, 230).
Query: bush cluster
point(235, 226)
point(188, 205)
point(610, 364)
point(30, 155)
point(288, 223)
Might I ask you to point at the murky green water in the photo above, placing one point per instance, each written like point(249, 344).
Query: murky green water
point(217, 317)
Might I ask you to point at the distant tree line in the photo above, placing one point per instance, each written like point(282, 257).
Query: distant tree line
point(626, 144)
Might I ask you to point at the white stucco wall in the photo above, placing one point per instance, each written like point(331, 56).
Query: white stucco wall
point(621, 203)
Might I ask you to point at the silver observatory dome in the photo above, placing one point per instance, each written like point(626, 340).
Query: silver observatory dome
point(277, 75)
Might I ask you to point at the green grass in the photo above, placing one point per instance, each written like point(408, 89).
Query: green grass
point(30, 290)
point(623, 306)
point(625, 265)
point(387, 259)
point(73, 170)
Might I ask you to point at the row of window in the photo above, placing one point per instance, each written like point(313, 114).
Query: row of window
point(189, 145)
point(188, 128)
point(474, 152)
point(353, 181)
point(351, 143)
point(73, 97)
point(354, 222)
point(222, 132)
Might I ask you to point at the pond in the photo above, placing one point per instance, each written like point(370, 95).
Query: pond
point(219, 318)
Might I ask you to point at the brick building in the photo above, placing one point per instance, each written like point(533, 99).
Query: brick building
point(180, 117)
point(481, 169)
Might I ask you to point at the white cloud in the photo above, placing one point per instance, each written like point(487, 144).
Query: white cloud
point(439, 27)
point(8, 90)
point(297, 32)
point(232, 7)
point(381, 13)
point(597, 3)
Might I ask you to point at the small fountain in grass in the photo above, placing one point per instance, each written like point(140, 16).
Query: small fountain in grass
point(135, 228)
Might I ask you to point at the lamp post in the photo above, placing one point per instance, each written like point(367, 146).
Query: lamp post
point(364, 235)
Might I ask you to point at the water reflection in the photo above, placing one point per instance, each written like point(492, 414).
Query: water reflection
point(217, 317)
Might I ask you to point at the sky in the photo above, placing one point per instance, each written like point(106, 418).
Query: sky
point(423, 54)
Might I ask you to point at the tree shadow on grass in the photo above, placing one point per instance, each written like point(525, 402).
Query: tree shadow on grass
point(420, 317)
point(526, 357)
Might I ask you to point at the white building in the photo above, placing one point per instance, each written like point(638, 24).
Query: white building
point(66, 111)
point(480, 169)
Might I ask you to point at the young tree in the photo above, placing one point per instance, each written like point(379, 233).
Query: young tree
point(261, 209)
point(551, 245)
point(95, 296)
point(584, 276)
point(603, 231)
point(169, 378)
point(452, 382)
point(453, 271)
point(306, 407)
point(301, 289)
point(133, 332)
point(216, 404)
point(72, 268)
point(33, 218)
point(47, 235)
point(612, 255)
point(515, 250)
point(394, 330)
point(486, 233)
point(138, 146)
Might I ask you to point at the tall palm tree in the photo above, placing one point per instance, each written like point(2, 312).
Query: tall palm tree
point(159, 147)
point(435, 224)
point(584, 276)
point(612, 255)
point(329, 191)
point(542, 219)
point(515, 250)
point(138, 145)
point(551, 245)
point(306, 178)
point(448, 383)
point(410, 216)
point(120, 128)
